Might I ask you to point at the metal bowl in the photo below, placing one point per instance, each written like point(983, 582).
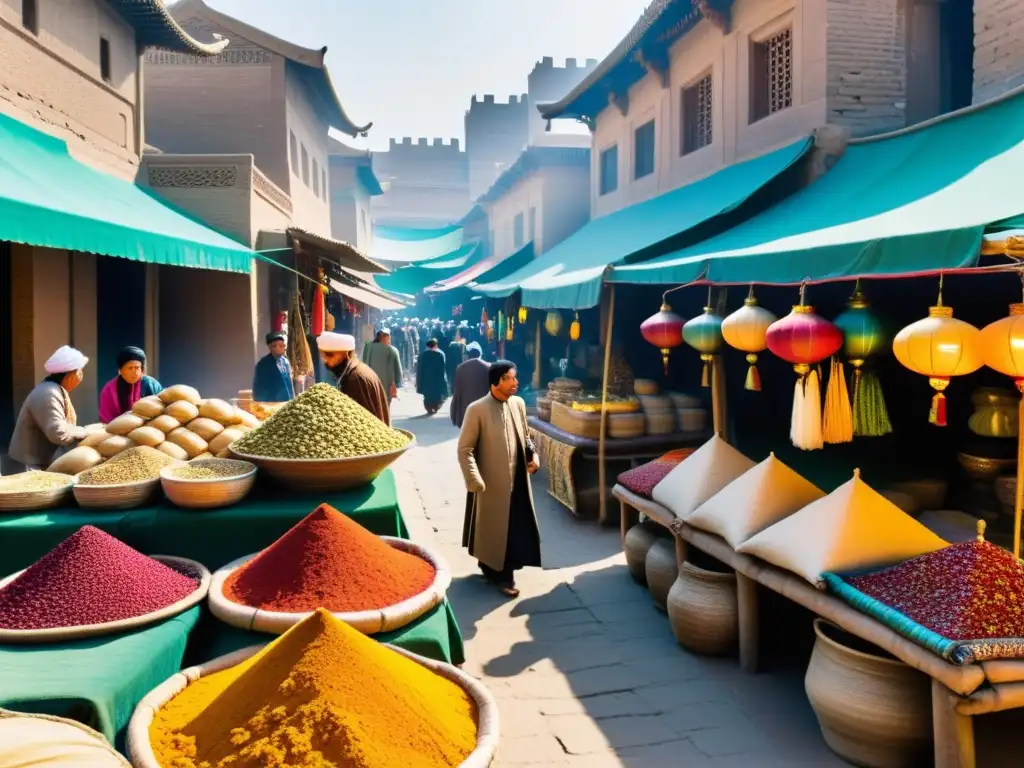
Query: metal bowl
point(326, 475)
point(982, 468)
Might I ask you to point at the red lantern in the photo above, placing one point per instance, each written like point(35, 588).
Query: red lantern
point(318, 314)
point(664, 330)
point(804, 338)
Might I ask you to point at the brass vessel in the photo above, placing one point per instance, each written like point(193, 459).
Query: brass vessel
point(995, 412)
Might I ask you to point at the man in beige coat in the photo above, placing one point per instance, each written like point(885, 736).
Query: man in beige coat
point(497, 458)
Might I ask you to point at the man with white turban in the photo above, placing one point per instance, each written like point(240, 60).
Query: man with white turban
point(355, 379)
point(47, 421)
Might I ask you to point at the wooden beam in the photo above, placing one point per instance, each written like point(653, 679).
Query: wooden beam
point(713, 15)
point(953, 732)
point(619, 101)
point(655, 65)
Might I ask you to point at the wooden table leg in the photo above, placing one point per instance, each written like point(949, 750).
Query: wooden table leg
point(628, 517)
point(680, 550)
point(750, 633)
point(953, 732)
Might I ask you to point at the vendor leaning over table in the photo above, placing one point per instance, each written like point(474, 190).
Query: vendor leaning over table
point(272, 381)
point(47, 421)
point(355, 379)
point(129, 386)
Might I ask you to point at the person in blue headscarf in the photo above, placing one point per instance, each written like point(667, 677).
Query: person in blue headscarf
point(272, 381)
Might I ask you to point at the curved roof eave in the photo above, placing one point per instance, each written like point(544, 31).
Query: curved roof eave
point(156, 28)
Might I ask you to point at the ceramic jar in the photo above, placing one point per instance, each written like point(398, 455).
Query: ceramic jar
point(995, 412)
point(874, 710)
point(703, 610)
point(661, 570)
point(638, 540)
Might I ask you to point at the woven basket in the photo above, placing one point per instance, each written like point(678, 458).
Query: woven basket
point(661, 422)
point(206, 494)
point(385, 619)
point(120, 496)
point(326, 475)
point(692, 419)
point(111, 756)
point(141, 752)
point(680, 400)
point(626, 425)
point(655, 403)
point(182, 565)
point(645, 387)
point(32, 501)
point(576, 422)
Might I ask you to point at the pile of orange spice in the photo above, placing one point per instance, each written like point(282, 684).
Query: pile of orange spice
point(328, 560)
point(320, 696)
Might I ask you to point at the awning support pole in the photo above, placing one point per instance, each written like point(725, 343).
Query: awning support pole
point(536, 361)
point(718, 397)
point(1018, 496)
point(601, 469)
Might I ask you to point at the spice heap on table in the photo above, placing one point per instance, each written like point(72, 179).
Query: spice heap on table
point(90, 578)
point(135, 465)
point(211, 469)
point(322, 694)
point(321, 423)
point(34, 481)
point(328, 560)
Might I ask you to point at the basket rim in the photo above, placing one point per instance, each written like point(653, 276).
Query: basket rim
point(62, 634)
point(253, 459)
point(207, 481)
point(140, 750)
point(412, 607)
point(114, 486)
point(9, 714)
point(42, 491)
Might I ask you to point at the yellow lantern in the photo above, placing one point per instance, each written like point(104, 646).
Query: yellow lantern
point(746, 330)
point(553, 323)
point(574, 328)
point(939, 347)
point(522, 315)
point(509, 332)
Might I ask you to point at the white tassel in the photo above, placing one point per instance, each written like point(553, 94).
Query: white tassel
point(806, 426)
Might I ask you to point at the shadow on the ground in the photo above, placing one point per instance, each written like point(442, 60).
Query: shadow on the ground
point(472, 598)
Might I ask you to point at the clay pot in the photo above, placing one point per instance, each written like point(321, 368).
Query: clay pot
point(661, 570)
point(639, 539)
point(874, 710)
point(703, 611)
point(929, 492)
point(1006, 493)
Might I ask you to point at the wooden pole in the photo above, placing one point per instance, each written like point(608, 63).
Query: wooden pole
point(536, 361)
point(601, 469)
point(1018, 498)
point(718, 398)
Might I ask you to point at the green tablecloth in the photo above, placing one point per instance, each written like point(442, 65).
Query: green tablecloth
point(434, 635)
point(213, 538)
point(97, 680)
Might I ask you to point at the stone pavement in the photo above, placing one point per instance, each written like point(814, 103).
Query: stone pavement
point(586, 671)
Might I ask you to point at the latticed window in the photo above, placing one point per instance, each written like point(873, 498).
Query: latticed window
point(771, 77)
point(696, 117)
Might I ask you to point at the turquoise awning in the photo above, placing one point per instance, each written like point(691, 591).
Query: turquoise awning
point(914, 202)
point(406, 244)
point(488, 270)
point(569, 275)
point(415, 278)
point(51, 200)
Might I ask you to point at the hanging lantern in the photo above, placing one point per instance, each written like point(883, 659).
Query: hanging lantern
point(704, 333)
point(939, 347)
point(664, 330)
point(745, 330)
point(500, 325)
point(522, 315)
point(490, 330)
point(553, 323)
point(864, 336)
point(509, 332)
point(318, 312)
point(804, 338)
point(574, 327)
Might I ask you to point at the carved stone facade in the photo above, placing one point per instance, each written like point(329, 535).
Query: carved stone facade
point(232, 56)
point(192, 176)
point(270, 192)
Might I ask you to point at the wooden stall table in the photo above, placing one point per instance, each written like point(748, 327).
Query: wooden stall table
point(958, 692)
point(212, 537)
point(571, 462)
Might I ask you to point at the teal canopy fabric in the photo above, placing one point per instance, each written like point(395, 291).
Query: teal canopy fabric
point(569, 275)
point(49, 199)
point(488, 270)
point(415, 278)
point(911, 203)
point(407, 245)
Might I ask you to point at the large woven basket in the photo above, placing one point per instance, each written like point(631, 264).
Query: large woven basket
point(626, 425)
point(206, 494)
point(189, 568)
point(120, 496)
point(141, 752)
point(326, 475)
point(385, 619)
point(32, 501)
point(105, 756)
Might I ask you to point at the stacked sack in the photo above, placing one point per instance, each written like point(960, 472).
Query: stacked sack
point(177, 422)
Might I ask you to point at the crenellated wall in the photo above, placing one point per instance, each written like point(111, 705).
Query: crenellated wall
point(548, 83)
point(496, 132)
point(425, 181)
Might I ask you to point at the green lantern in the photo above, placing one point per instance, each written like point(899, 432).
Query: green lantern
point(864, 335)
point(704, 333)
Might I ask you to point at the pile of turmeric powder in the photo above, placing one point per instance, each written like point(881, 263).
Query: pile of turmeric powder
point(320, 696)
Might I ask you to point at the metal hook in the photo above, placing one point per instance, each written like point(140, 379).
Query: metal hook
point(803, 293)
point(942, 278)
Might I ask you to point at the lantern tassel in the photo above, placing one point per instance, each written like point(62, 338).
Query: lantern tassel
point(937, 414)
point(837, 425)
point(870, 416)
point(805, 429)
point(705, 374)
point(753, 382)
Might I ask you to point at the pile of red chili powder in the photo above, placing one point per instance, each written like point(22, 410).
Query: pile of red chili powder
point(329, 561)
point(89, 578)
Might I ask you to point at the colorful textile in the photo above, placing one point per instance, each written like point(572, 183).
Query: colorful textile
point(557, 459)
point(964, 602)
point(642, 479)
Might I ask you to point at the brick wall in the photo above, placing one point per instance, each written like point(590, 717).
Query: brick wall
point(866, 65)
point(998, 47)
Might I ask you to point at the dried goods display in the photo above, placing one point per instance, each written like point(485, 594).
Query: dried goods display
point(211, 469)
point(34, 481)
point(132, 466)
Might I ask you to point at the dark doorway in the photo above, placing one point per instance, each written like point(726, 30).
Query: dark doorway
point(120, 311)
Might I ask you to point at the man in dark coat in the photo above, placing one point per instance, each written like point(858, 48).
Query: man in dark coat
point(272, 381)
point(431, 381)
point(470, 383)
point(456, 356)
point(355, 379)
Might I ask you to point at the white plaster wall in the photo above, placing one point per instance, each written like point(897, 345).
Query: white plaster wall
point(705, 49)
point(998, 47)
point(527, 193)
point(565, 206)
point(311, 212)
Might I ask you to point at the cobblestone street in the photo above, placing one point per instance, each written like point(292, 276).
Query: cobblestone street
point(585, 669)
